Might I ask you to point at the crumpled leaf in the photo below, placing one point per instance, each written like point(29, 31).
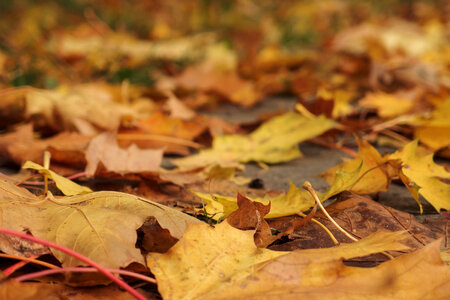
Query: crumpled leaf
point(372, 175)
point(361, 216)
point(320, 274)
point(205, 258)
point(67, 186)
point(274, 141)
point(99, 225)
point(103, 148)
point(423, 173)
point(294, 201)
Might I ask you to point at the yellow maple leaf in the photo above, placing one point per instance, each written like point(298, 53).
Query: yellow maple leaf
point(320, 274)
point(387, 105)
point(273, 142)
point(294, 201)
point(435, 131)
point(223, 262)
point(422, 172)
point(100, 225)
point(373, 176)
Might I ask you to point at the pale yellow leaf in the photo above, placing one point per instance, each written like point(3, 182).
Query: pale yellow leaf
point(206, 258)
point(67, 186)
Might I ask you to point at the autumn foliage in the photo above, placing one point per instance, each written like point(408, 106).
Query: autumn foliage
point(128, 128)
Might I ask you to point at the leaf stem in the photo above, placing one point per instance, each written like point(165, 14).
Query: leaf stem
point(307, 186)
point(78, 256)
point(333, 238)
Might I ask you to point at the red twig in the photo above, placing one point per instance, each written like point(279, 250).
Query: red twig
point(78, 256)
point(8, 271)
point(82, 270)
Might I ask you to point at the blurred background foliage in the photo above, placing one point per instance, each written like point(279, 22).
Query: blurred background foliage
point(28, 30)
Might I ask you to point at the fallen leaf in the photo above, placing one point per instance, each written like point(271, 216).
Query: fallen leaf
point(319, 274)
point(372, 176)
point(250, 216)
point(434, 131)
point(99, 225)
point(67, 186)
point(11, 289)
point(422, 171)
point(294, 201)
point(274, 141)
point(361, 216)
point(72, 108)
point(387, 105)
point(21, 145)
point(104, 149)
point(204, 258)
point(208, 260)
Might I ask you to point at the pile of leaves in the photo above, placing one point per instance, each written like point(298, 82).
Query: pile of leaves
point(115, 168)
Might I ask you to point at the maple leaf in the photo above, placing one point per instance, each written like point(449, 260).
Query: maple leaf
point(422, 176)
point(387, 105)
point(100, 225)
point(220, 262)
point(433, 132)
point(274, 141)
point(372, 175)
point(215, 255)
point(294, 201)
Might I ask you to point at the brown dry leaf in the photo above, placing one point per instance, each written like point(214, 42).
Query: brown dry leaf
point(320, 274)
point(372, 176)
point(362, 217)
point(11, 289)
point(227, 84)
point(100, 225)
point(178, 109)
point(209, 261)
point(250, 215)
point(66, 148)
point(160, 130)
point(103, 148)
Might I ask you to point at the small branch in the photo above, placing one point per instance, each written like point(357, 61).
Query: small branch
point(24, 261)
point(83, 270)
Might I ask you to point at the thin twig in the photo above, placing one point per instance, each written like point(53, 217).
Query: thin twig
point(24, 260)
point(82, 270)
point(78, 256)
